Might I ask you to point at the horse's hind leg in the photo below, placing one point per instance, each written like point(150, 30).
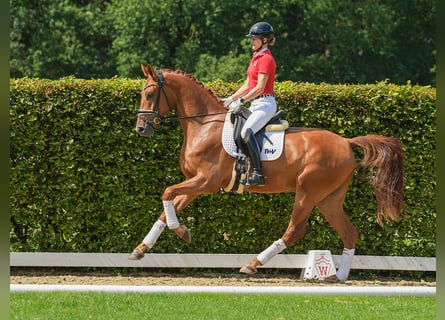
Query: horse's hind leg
point(159, 226)
point(295, 231)
point(332, 208)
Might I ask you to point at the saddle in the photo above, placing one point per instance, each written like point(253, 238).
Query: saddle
point(242, 163)
point(238, 120)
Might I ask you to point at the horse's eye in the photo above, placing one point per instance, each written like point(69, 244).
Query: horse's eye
point(149, 95)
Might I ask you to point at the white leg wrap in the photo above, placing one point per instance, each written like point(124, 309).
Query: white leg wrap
point(345, 264)
point(272, 251)
point(170, 213)
point(151, 237)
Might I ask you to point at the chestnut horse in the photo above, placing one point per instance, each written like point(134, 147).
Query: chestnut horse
point(317, 165)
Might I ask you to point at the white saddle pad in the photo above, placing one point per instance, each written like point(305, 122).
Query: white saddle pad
point(272, 146)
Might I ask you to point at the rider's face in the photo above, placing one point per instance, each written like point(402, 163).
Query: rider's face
point(256, 43)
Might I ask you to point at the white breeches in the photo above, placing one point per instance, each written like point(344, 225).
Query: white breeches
point(263, 109)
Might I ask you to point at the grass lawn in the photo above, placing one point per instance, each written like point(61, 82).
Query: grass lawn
point(130, 306)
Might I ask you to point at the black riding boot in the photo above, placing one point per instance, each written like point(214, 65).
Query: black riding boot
point(257, 178)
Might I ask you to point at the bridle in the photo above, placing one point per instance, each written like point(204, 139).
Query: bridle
point(158, 117)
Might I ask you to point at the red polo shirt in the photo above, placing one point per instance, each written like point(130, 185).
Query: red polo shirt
point(262, 62)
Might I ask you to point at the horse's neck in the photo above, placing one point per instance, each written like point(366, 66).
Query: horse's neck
point(192, 97)
point(201, 115)
point(198, 104)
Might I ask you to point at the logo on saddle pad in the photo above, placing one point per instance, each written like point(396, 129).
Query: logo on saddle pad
point(269, 151)
point(273, 142)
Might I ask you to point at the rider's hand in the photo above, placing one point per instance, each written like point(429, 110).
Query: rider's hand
point(235, 106)
point(227, 101)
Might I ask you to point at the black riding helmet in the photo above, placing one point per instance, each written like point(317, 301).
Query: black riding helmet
point(261, 30)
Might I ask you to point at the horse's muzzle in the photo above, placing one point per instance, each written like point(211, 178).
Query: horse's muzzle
point(145, 130)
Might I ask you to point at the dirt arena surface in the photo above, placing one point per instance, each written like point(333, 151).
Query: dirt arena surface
point(25, 276)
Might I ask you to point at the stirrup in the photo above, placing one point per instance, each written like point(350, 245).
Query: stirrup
point(256, 179)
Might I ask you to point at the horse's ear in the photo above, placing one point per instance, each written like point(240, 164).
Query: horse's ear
point(148, 70)
point(144, 69)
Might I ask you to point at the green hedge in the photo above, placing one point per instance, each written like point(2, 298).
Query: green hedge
point(81, 180)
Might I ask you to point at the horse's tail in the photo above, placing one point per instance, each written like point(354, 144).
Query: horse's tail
point(385, 155)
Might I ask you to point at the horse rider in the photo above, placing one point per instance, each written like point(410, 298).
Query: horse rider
point(259, 91)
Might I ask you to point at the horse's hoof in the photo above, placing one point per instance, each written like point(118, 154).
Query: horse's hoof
point(136, 255)
point(187, 236)
point(184, 233)
point(331, 279)
point(248, 269)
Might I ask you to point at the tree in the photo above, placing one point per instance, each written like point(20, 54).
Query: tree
point(346, 41)
point(51, 39)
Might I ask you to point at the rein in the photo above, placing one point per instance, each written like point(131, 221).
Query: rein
point(160, 118)
point(174, 118)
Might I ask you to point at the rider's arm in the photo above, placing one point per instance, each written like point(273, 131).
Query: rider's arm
point(258, 89)
point(241, 91)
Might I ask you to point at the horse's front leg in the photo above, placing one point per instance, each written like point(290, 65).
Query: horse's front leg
point(152, 236)
point(174, 199)
point(173, 223)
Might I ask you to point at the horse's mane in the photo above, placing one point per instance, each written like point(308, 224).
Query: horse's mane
point(194, 79)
